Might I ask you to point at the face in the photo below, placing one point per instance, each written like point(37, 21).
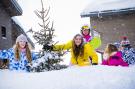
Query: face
point(22, 44)
point(85, 31)
point(78, 40)
point(121, 48)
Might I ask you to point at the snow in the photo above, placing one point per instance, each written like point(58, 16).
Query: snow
point(16, 21)
point(75, 77)
point(103, 5)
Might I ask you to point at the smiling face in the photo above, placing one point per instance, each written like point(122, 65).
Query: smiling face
point(78, 40)
point(22, 44)
point(21, 41)
point(85, 31)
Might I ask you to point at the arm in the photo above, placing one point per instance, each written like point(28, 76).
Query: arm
point(63, 46)
point(92, 53)
point(104, 62)
point(6, 54)
point(122, 62)
point(95, 42)
point(35, 56)
point(105, 58)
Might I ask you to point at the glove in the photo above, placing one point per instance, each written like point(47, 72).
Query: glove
point(94, 63)
point(47, 47)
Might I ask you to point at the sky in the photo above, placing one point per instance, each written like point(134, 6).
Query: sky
point(64, 13)
point(75, 77)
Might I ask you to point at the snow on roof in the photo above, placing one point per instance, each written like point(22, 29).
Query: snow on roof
point(16, 21)
point(108, 6)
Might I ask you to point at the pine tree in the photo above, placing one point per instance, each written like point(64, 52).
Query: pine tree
point(46, 33)
point(49, 60)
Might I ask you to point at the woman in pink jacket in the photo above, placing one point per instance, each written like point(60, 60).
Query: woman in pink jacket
point(112, 56)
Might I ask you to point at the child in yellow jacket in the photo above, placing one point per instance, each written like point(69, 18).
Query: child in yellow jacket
point(80, 51)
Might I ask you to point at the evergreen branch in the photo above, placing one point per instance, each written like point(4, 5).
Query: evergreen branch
point(39, 16)
point(46, 26)
point(40, 25)
point(47, 12)
point(47, 19)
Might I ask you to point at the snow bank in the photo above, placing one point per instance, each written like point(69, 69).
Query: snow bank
point(90, 77)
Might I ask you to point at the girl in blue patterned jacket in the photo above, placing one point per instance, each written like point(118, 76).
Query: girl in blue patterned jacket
point(128, 52)
point(20, 55)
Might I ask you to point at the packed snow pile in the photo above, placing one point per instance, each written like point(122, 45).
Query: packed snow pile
point(89, 77)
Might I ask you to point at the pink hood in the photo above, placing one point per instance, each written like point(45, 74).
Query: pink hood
point(87, 38)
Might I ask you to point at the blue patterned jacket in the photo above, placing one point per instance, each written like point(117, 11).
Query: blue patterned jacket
point(129, 55)
point(13, 63)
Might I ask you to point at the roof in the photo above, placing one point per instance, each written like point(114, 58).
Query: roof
point(109, 7)
point(12, 7)
point(15, 21)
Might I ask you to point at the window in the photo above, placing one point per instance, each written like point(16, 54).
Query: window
point(3, 31)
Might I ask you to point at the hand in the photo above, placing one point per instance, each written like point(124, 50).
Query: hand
point(47, 47)
point(94, 63)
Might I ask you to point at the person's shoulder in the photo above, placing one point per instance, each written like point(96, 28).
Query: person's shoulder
point(119, 52)
point(8, 50)
point(11, 49)
point(132, 49)
point(87, 45)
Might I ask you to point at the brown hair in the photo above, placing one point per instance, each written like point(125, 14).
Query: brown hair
point(110, 48)
point(28, 52)
point(80, 49)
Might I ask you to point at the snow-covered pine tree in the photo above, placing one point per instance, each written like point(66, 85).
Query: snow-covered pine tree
point(48, 60)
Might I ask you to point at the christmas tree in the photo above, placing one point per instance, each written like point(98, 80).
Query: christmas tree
point(48, 59)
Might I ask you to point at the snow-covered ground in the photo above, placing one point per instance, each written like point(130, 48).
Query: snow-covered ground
point(90, 77)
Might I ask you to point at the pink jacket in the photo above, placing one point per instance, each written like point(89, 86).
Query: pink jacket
point(115, 60)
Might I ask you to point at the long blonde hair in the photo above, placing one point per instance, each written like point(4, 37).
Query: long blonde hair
point(110, 48)
point(17, 52)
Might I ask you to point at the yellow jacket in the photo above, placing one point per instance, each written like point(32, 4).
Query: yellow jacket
point(81, 61)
